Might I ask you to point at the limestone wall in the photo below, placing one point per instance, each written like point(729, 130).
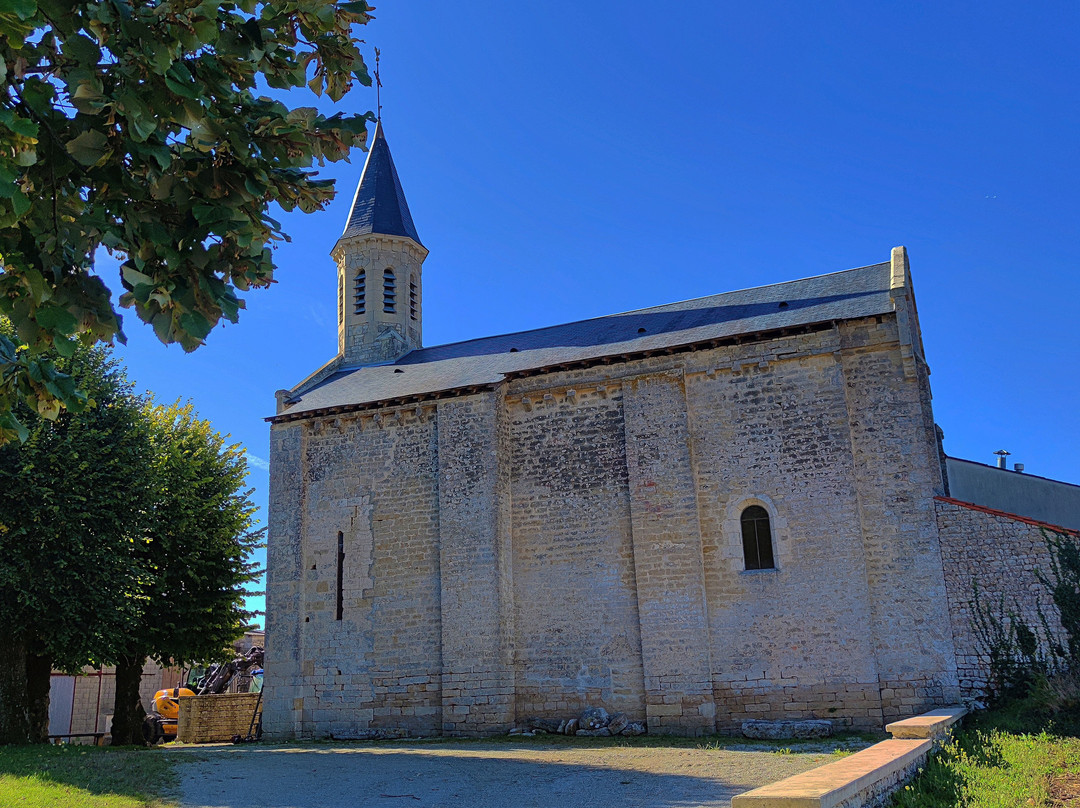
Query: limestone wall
point(475, 563)
point(378, 666)
point(1002, 553)
point(897, 475)
point(571, 538)
point(217, 718)
point(577, 639)
point(795, 641)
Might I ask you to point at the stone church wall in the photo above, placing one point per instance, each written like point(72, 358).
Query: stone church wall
point(373, 482)
point(1001, 553)
point(575, 594)
point(571, 538)
point(796, 641)
point(897, 476)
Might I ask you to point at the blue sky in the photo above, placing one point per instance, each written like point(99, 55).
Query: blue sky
point(574, 161)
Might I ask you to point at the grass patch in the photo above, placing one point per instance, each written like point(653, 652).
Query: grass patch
point(1016, 755)
point(70, 776)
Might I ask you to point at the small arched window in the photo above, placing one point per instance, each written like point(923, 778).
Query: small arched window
point(389, 290)
point(360, 292)
point(413, 302)
point(757, 539)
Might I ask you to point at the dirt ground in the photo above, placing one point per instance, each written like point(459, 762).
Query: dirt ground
point(484, 775)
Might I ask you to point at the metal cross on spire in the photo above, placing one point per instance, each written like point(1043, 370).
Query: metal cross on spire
point(378, 87)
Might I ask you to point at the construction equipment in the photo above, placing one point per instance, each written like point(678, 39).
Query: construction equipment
point(161, 722)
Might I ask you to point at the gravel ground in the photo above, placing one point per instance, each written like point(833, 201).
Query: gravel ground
point(480, 775)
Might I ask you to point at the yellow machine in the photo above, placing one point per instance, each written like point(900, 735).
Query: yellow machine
point(160, 724)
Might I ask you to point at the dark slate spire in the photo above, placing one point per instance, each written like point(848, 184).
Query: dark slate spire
point(379, 205)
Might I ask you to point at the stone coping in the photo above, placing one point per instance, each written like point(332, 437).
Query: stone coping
point(928, 725)
point(837, 782)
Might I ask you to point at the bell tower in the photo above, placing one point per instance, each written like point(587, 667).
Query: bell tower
point(380, 262)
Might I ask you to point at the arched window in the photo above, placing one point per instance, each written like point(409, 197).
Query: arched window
point(412, 297)
point(389, 292)
point(360, 292)
point(757, 539)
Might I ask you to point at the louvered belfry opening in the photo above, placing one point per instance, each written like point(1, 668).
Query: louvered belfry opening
point(389, 294)
point(360, 293)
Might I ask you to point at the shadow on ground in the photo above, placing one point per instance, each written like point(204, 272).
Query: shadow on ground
point(136, 773)
point(493, 776)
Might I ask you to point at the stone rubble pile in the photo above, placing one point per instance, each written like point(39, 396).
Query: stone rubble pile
point(593, 722)
point(782, 730)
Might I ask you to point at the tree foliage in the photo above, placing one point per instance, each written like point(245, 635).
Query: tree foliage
point(199, 535)
point(138, 126)
point(125, 532)
point(71, 497)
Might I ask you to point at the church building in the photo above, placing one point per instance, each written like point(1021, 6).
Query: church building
point(722, 509)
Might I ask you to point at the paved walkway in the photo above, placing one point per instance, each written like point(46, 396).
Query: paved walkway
point(480, 775)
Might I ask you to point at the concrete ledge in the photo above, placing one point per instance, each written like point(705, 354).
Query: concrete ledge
point(933, 724)
point(853, 781)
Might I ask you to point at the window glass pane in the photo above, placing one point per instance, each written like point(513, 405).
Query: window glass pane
point(749, 542)
point(765, 554)
point(757, 539)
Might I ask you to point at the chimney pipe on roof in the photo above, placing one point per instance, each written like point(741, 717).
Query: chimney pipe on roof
point(1018, 468)
point(1002, 454)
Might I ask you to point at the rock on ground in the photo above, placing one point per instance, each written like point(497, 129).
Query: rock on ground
point(777, 730)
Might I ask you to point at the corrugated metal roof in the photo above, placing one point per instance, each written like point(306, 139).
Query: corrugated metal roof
point(379, 205)
point(853, 293)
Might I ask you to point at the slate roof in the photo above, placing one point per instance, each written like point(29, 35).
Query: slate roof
point(379, 205)
point(853, 293)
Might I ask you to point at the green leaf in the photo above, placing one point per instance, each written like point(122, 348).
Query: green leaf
point(20, 203)
point(17, 124)
point(10, 427)
point(142, 127)
point(65, 347)
point(24, 9)
point(39, 291)
point(89, 147)
point(54, 318)
point(82, 49)
point(195, 324)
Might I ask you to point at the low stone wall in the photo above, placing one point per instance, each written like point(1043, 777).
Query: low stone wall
point(866, 779)
point(216, 718)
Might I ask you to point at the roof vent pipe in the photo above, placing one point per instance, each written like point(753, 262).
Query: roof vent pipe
point(1018, 468)
point(1001, 455)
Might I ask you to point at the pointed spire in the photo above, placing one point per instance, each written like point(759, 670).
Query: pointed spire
point(379, 205)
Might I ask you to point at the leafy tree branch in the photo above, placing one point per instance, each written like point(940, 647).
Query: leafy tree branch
point(138, 127)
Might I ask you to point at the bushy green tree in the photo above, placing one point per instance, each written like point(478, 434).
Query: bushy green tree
point(71, 502)
point(199, 535)
point(138, 126)
point(126, 532)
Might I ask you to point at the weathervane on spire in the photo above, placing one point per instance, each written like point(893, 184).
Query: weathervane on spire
point(378, 86)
